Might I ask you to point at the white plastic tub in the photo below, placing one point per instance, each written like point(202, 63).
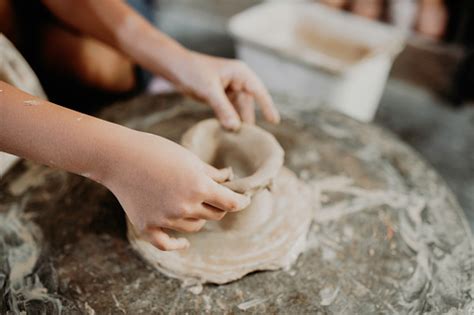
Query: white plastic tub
point(310, 50)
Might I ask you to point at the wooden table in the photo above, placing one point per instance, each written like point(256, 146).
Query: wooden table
point(388, 235)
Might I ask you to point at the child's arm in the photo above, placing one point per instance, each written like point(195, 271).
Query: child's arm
point(159, 183)
point(228, 86)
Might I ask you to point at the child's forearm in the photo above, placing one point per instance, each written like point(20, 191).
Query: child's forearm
point(228, 86)
point(118, 25)
point(38, 130)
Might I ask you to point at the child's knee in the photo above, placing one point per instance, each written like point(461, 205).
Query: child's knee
point(103, 67)
point(88, 60)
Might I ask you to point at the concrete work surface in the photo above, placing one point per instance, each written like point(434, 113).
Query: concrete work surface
point(388, 236)
point(444, 135)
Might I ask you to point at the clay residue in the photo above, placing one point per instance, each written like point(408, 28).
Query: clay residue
point(20, 246)
point(329, 44)
point(358, 199)
point(34, 102)
point(33, 178)
point(244, 306)
point(441, 271)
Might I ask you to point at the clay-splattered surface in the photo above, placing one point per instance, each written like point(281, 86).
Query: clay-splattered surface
point(388, 236)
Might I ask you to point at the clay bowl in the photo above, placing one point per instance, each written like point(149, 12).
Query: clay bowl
point(254, 155)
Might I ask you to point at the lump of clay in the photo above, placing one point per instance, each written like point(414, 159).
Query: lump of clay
point(269, 234)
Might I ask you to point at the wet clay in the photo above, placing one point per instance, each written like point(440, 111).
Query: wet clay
point(269, 234)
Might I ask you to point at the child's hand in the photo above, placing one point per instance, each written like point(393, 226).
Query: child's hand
point(161, 185)
point(228, 86)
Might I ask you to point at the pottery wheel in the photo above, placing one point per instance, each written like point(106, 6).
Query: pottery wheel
point(387, 236)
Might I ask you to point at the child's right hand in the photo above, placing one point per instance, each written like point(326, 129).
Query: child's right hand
point(161, 185)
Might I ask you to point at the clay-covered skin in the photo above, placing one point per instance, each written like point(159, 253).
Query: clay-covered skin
point(268, 234)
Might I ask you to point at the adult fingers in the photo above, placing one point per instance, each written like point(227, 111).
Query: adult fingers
point(225, 199)
point(224, 110)
point(158, 238)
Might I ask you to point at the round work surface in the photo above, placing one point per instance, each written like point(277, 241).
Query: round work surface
point(387, 235)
